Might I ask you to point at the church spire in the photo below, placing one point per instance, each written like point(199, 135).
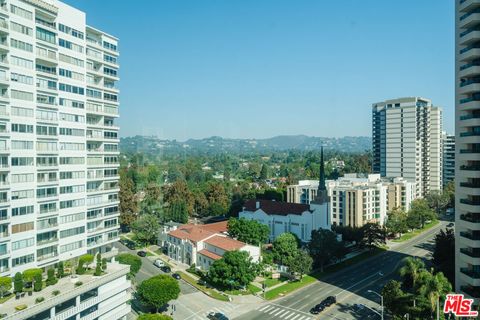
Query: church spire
point(321, 184)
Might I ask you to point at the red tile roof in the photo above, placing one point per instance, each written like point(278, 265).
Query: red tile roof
point(209, 254)
point(227, 244)
point(217, 227)
point(191, 232)
point(277, 207)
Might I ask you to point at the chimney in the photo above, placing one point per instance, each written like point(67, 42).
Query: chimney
point(257, 205)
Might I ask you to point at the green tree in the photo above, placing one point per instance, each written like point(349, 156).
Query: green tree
point(29, 274)
point(349, 234)
point(18, 282)
point(218, 198)
point(373, 235)
point(235, 269)
point(444, 253)
point(437, 200)
point(51, 280)
point(133, 261)
point(264, 172)
point(324, 247)
point(249, 231)
point(5, 285)
point(434, 287)
point(410, 271)
point(38, 282)
point(178, 212)
point(301, 263)
point(179, 191)
point(128, 202)
point(391, 293)
point(285, 248)
point(396, 222)
point(158, 290)
point(154, 316)
point(60, 270)
point(419, 213)
point(98, 265)
point(86, 259)
point(146, 229)
point(449, 193)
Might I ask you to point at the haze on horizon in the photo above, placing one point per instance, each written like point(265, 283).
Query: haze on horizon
point(258, 69)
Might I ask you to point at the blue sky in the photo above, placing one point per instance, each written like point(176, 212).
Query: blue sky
point(260, 68)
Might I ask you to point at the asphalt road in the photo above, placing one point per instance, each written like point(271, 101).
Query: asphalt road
point(349, 285)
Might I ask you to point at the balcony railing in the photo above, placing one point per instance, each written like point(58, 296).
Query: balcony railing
point(470, 252)
point(469, 235)
point(471, 273)
point(471, 291)
point(473, 46)
point(470, 217)
point(469, 185)
point(468, 14)
point(470, 151)
point(467, 82)
point(470, 167)
point(464, 33)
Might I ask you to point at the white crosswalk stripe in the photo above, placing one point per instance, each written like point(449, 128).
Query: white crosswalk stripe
point(296, 316)
point(283, 313)
point(265, 308)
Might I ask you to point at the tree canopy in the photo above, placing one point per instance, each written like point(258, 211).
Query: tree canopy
point(249, 231)
point(235, 269)
point(133, 261)
point(146, 228)
point(285, 248)
point(325, 248)
point(158, 290)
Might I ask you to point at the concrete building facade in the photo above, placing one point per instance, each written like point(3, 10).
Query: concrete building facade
point(407, 142)
point(448, 147)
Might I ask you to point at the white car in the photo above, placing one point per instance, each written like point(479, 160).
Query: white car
point(159, 263)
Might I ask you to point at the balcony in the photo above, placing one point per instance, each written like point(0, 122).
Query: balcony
point(471, 291)
point(470, 167)
point(470, 151)
point(468, 5)
point(47, 256)
point(4, 27)
point(471, 252)
point(47, 241)
point(469, 235)
point(471, 217)
point(471, 273)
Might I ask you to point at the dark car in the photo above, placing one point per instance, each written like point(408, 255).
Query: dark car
point(317, 309)
point(142, 253)
point(202, 282)
point(216, 316)
point(166, 269)
point(176, 276)
point(329, 301)
point(451, 224)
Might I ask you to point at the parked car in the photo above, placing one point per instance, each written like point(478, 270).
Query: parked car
point(329, 301)
point(159, 263)
point(166, 269)
point(451, 224)
point(176, 276)
point(317, 309)
point(142, 253)
point(216, 316)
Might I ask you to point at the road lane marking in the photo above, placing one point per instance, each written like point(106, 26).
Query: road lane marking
point(264, 308)
point(296, 316)
point(296, 310)
point(272, 311)
point(288, 314)
point(281, 314)
point(278, 312)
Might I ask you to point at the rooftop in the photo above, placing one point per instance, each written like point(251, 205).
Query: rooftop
point(276, 207)
point(227, 244)
point(198, 232)
point(209, 254)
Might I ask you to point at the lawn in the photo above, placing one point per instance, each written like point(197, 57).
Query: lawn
point(6, 298)
point(410, 235)
point(306, 280)
point(212, 293)
point(271, 282)
point(251, 289)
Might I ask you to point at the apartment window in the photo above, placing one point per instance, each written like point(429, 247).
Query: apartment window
point(47, 192)
point(22, 112)
point(94, 94)
point(22, 194)
point(72, 117)
point(21, 28)
point(20, 62)
point(109, 46)
point(22, 244)
point(71, 31)
point(22, 161)
point(22, 227)
point(72, 189)
point(72, 132)
point(51, 100)
point(71, 89)
point(46, 115)
point(68, 175)
point(21, 45)
point(22, 178)
point(72, 160)
point(47, 146)
point(46, 253)
point(110, 97)
point(110, 59)
point(72, 103)
point(114, 222)
point(47, 224)
point(110, 71)
point(70, 74)
point(70, 45)
point(72, 217)
point(45, 69)
point(72, 246)
point(71, 60)
point(110, 135)
point(21, 12)
point(72, 146)
point(22, 145)
point(22, 260)
point(72, 203)
point(110, 147)
point(22, 128)
point(22, 95)
point(48, 207)
point(92, 214)
point(71, 232)
point(46, 35)
point(46, 84)
point(111, 160)
point(47, 161)
point(46, 130)
point(46, 177)
point(111, 210)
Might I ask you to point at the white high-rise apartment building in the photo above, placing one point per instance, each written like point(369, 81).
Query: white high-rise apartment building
point(467, 140)
point(407, 142)
point(58, 137)
point(448, 147)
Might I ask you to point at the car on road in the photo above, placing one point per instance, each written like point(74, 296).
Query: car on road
point(166, 269)
point(176, 276)
point(128, 243)
point(329, 301)
point(216, 316)
point(451, 224)
point(317, 309)
point(142, 253)
point(158, 263)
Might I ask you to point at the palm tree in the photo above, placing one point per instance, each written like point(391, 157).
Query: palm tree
point(411, 269)
point(433, 287)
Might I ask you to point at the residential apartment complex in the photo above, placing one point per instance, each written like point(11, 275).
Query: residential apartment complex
point(357, 199)
point(104, 297)
point(407, 142)
point(204, 244)
point(58, 137)
point(467, 140)
point(448, 147)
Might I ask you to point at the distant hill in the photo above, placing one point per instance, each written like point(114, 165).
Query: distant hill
point(154, 145)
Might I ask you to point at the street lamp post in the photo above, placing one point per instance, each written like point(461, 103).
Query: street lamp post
point(381, 299)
